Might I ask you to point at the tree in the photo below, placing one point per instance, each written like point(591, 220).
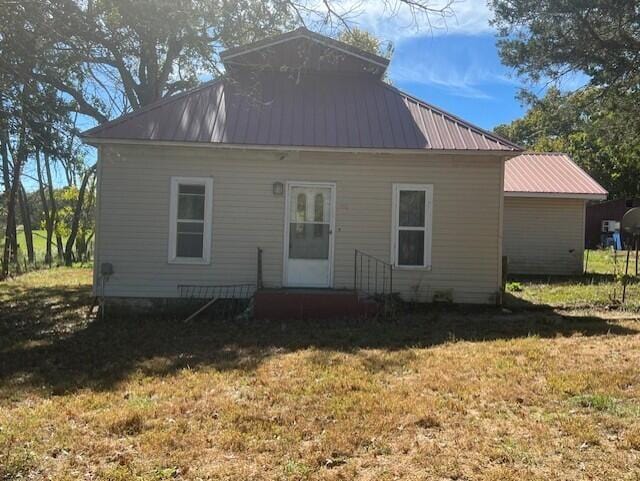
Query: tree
point(366, 41)
point(110, 56)
point(599, 125)
point(600, 38)
point(101, 58)
point(601, 133)
point(33, 117)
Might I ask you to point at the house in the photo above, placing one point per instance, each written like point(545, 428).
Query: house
point(544, 213)
point(603, 219)
point(303, 151)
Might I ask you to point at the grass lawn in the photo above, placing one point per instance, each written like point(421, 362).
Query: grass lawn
point(39, 245)
point(445, 393)
point(599, 287)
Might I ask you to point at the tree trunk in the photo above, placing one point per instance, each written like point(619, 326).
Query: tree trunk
point(75, 223)
point(25, 214)
point(48, 220)
point(87, 228)
point(10, 238)
point(53, 211)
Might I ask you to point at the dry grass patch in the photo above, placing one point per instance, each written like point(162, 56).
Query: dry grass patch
point(444, 394)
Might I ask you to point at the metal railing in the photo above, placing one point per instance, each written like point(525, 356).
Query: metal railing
point(231, 291)
point(371, 275)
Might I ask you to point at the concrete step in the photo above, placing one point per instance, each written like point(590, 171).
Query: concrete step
point(292, 304)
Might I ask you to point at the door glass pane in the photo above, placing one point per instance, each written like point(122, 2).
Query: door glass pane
point(308, 241)
point(301, 207)
point(191, 206)
point(310, 204)
point(318, 206)
point(411, 207)
point(411, 247)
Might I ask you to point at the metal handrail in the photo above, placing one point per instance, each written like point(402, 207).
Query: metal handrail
point(371, 274)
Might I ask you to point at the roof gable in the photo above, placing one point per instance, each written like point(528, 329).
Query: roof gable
point(303, 49)
point(549, 174)
point(320, 110)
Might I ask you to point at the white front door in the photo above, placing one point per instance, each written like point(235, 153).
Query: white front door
point(309, 221)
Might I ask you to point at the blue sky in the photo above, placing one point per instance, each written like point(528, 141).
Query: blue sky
point(461, 74)
point(451, 62)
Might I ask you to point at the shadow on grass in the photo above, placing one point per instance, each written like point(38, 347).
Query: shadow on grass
point(99, 354)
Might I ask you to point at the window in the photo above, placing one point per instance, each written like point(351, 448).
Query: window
point(190, 220)
point(411, 234)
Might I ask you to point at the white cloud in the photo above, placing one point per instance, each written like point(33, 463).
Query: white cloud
point(394, 21)
point(468, 78)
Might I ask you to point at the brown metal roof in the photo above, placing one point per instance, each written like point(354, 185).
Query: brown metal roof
point(549, 174)
point(315, 110)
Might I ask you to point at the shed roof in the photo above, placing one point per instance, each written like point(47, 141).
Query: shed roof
point(311, 110)
point(549, 174)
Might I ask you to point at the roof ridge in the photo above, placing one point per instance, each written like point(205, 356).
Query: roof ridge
point(454, 118)
point(534, 152)
point(308, 34)
point(150, 107)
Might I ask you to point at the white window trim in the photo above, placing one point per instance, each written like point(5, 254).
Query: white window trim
point(428, 223)
point(207, 182)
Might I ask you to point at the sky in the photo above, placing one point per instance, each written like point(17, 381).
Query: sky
point(452, 63)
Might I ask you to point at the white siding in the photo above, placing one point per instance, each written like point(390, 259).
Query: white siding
point(543, 235)
point(134, 216)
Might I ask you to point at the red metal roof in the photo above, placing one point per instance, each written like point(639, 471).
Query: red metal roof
point(312, 110)
point(549, 174)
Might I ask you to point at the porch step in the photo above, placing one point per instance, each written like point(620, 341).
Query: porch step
point(317, 304)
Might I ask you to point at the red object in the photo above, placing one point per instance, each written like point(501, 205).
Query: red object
point(316, 304)
point(550, 173)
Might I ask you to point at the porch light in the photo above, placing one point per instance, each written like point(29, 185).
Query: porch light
point(278, 188)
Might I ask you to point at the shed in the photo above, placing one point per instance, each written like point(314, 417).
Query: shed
point(545, 195)
point(603, 218)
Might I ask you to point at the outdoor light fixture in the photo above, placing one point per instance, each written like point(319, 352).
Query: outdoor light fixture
point(278, 188)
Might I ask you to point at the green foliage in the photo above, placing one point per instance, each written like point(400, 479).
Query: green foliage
point(366, 41)
point(599, 126)
point(126, 54)
point(66, 199)
point(514, 286)
point(599, 129)
point(550, 38)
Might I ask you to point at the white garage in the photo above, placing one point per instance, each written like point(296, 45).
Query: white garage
point(545, 195)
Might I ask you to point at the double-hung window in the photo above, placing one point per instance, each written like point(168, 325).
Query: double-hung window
point(190, 220)
point(412, 221)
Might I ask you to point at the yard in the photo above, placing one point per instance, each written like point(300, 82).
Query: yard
point(531, 392)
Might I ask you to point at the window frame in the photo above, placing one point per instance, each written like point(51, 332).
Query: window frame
point(207, 182)
point(427, 229)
